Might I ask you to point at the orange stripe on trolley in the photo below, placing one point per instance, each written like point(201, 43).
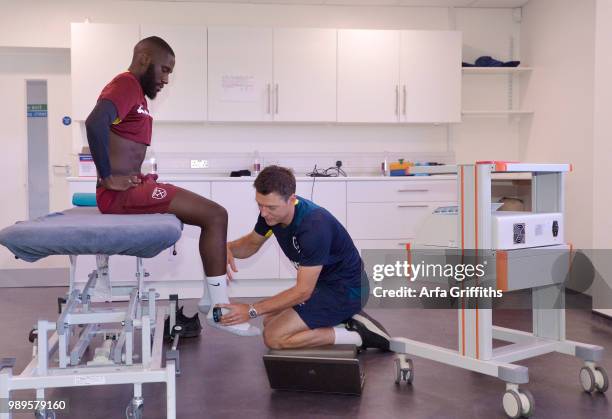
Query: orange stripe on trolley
point(476, 250)
point(409, 258)
point(501, 166)
point(569, 266)
point(462, 250)
point(501, 269)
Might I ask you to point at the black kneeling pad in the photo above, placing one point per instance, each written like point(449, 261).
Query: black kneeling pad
point(327, 369)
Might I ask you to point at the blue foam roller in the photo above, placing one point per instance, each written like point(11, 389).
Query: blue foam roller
point(81, 199)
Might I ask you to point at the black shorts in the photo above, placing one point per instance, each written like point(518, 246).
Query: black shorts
point(328, 306)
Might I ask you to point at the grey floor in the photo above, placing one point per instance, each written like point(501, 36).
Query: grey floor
point(223, 375)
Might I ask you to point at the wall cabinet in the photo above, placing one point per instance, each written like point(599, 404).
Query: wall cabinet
point(239, 74)
point(399, 76)
point(261, 74)
point(184, 98)
point(243, 74)
point(305, 75)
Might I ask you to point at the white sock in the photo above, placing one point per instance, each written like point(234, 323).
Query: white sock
point(217, 291)
point(204, 303)
point(344, 337)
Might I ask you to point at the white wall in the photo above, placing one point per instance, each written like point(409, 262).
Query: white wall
point(45, 25)
point(602, 157)
point(557, 39)
point(16, 66)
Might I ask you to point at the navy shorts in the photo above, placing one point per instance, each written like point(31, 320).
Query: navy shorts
point(328, 306)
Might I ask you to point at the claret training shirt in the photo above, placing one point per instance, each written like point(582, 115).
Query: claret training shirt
point(133, 119)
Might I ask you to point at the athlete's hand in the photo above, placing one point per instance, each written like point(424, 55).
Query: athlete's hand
point(238, 313)
point(120, 183)
point(231, 263)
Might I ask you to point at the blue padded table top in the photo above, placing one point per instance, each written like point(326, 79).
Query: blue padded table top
point(85, 231)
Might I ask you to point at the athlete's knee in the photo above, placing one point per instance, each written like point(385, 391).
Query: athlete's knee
point(215, 214)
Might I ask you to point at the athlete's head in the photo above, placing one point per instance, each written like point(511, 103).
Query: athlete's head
point(152, 63)
point(275, 194)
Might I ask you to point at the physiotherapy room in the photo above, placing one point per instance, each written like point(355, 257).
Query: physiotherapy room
point(418, 116)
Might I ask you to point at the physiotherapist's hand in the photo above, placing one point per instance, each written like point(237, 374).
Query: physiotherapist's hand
point(239, 313)
point(120, 183)
point(231, 263)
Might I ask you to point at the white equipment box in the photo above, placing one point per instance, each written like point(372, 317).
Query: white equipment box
point(511, 229)
point(519, 230)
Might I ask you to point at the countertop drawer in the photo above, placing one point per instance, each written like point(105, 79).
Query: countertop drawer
point(406, 191)
point(393, 220)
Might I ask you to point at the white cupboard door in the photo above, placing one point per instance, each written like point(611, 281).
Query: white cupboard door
point(184, 97)
point(98, 52)
point(430, 74)
point(305, 75)
point(238, 198)
point(368, 75)
point(239, 74)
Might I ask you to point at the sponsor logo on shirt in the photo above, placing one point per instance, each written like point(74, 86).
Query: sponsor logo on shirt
point(141, 109)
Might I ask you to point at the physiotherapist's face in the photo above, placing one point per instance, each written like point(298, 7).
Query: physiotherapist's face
point(275, 209)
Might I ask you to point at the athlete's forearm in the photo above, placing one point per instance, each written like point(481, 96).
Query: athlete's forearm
point(98, 131)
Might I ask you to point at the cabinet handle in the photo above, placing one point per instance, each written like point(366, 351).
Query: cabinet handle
point(404, 88)
point(413, 190)
point(276, 94)
point(397, 99)
point(268, 101)
point(412, 206)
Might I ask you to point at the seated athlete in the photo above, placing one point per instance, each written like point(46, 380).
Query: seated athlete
point(331, 286)
point(119, 132)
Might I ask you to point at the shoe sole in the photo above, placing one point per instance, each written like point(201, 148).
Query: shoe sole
point(371, 325)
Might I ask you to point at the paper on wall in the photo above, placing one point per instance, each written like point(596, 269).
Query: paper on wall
point(238, 88)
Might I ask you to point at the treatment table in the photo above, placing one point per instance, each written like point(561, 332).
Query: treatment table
point(118, 359)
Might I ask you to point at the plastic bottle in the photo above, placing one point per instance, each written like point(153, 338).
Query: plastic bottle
point(256, 163)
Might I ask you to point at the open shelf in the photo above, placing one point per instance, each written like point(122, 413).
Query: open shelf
point(500, 112)
point(496, 70)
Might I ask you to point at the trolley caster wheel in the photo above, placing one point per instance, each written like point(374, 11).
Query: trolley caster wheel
point(33, 335)
point(44, 414)
point(594, 379)
point(518, 404)
point(134, 412)
point(404, 370)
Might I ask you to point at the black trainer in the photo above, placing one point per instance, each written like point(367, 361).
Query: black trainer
point(373, 334)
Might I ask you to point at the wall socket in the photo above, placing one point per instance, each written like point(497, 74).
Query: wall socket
point(199, 164)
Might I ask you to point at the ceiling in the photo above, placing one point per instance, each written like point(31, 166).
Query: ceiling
point(414, 3)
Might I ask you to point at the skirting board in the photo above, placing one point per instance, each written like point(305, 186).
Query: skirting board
point(58, 277)
point(604, 312)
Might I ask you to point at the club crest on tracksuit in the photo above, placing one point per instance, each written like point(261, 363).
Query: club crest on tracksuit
point(159, 193)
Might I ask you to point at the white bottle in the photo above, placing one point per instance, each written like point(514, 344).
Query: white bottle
point(256, 163)
point(384, 166)
point(150, 162)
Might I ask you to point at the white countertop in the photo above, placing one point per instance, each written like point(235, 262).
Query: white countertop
point(219, 178)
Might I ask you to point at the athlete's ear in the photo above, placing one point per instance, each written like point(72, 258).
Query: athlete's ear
point(144, 59)
point(292, 199)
